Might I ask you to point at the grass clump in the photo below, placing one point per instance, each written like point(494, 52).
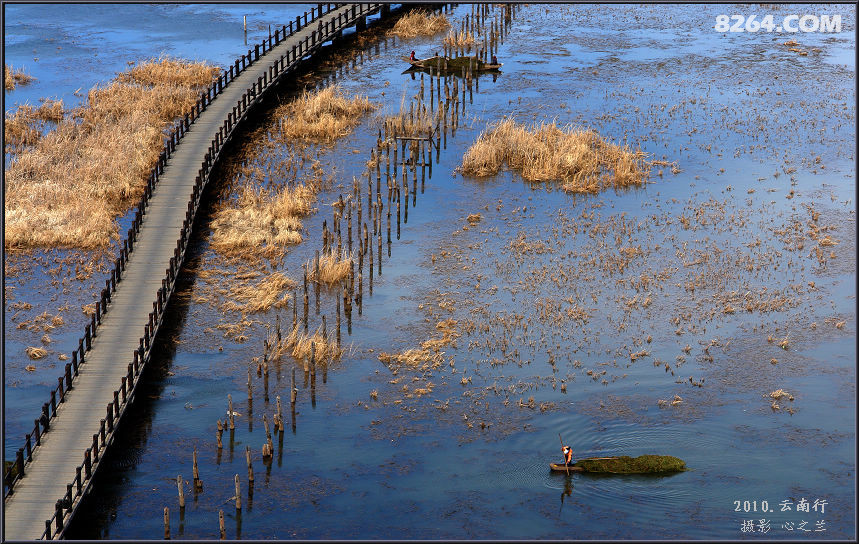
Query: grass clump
point(261, 296)
point(420, 23)
point(580, 159)
point(413, 122)
point(459, 40)
point(68, 188)
point(12, 77)
point(633, 465)
point(333, 268)
point(299, 345)
point(323, 115)
point(24, 127)
point(261, 221)
point(36, 353)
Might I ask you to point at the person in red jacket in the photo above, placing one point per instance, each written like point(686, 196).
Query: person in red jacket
point(412, 57)
point(568, 456)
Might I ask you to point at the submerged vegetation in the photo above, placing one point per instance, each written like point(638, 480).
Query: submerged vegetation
point(67, 187)
point(580, 159)
point(420, 23)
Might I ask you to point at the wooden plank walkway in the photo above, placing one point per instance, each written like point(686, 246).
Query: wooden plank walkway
point(56, 461)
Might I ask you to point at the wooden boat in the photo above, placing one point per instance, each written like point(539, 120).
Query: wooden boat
point(623, 464)
point(453, 65)
point(560, 467)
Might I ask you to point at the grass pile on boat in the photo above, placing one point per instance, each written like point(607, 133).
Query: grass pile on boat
point(632, 465)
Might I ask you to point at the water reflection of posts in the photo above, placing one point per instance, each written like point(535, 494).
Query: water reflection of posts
point(264, 382)
point(338, 322)
point(313, 372)
point(293, 394)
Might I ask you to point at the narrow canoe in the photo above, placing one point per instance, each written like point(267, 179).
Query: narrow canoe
point(560, 467)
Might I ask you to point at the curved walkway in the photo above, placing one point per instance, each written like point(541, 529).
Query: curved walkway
point(68, 453)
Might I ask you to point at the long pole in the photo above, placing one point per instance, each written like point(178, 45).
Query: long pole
point(565, 460)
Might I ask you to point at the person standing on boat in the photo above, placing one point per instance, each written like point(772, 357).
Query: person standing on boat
point(412, 57)
point(568, 456)
point(494, 60)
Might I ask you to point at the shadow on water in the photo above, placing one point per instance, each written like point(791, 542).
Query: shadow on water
point(92, 519)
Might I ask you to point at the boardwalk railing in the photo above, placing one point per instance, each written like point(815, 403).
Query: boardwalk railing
point(124, 394)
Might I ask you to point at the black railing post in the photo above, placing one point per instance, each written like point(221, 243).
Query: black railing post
point(19, 459)
point(46, 415)
point(75, 361)
point(88, 463)
point(78, 479)
point(116, 403)
point(38, 431)
point(29, 446)
point(110, 417)
point(60, 387)
point(101, 430)
point(68, 376)
point(95, 446)
point(54, 401)
point(48, 529)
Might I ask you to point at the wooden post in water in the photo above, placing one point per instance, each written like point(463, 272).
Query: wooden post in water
point(166, 523)
point(250, 466)
point(218, 435)
point(230, 409)
point(181, 492)
point(238, 493)
point(198, 483)
point(221, 526)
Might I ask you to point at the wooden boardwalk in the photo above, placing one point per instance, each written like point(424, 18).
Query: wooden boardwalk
point(56, 463)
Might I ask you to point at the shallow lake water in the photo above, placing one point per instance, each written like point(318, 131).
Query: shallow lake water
point(685, 288)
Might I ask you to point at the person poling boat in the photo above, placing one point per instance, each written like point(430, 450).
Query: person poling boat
point(412, 57)
point(568, 456)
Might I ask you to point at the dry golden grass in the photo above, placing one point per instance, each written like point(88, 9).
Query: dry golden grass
point(261, 221)
point(36, 353)
point(580, 159)
point(416, 123)
point(69, 187)
point(420, 23)
point(299, 345)
point(322, 116)
point(459, 39)
point(333, 268)
point(11, 78)
point(259, 297)
point(24, 127)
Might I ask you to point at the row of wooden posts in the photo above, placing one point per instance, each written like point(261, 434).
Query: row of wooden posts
point(181, 127)
point(403, 149)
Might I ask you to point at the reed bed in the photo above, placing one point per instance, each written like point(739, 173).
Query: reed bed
point(262, 221)
point(333, 268)
point(580, 159)
point(322, 116)
point(12, 77)
point(68, 188)
point(420, 23)
point(262, 296)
